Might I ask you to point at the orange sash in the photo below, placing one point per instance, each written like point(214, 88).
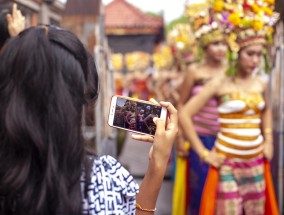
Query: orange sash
point(270, 202)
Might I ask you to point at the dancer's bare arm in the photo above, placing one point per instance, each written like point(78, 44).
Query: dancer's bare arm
point(191, 108)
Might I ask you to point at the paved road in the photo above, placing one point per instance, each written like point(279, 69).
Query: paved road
point(135, 157)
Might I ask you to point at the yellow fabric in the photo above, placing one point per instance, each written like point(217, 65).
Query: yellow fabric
point(180, 183)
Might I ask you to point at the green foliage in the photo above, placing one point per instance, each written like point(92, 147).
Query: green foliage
point(267, 65)
point(232, 60)
point(154, 14)
point(181, 19)
point(200, 54)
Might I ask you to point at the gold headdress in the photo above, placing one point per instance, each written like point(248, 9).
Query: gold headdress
point(117, 61)
point(183, 43)
point(162, 57)
point(137, 60)
point(251, 21)
point(205, 24)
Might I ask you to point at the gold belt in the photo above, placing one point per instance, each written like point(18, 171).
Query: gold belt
point(229, 145)
point(242, 125)
point(237, 137)
point(230, 155)
point(239, 116)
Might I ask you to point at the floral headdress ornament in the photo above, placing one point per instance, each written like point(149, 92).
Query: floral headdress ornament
point(183, 43)
point(207, 27)
point(137, 60)
point(162, 57)
point(250, 21)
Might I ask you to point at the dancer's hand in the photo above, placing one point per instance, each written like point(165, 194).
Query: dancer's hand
point(16, 21)
point(268, 150)
point(181, 149)
point(164, 137)
point(215, 159)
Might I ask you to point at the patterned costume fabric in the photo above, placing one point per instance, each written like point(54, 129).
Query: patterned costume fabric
point(112, 190)
point(241, 187)
point(241, 180)
point(206, 124)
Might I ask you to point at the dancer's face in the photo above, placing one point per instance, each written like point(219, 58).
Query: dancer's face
point(217, 50)
point(250, 58)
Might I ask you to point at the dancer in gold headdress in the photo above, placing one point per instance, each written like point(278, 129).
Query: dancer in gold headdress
point(210, 35)
point(239, 178)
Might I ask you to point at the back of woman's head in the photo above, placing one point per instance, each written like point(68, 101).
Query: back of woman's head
point(46, 75)
point(5, 8)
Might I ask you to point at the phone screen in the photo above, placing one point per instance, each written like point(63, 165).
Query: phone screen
point(136, 116)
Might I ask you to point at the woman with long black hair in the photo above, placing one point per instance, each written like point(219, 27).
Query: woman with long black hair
point(46, 76)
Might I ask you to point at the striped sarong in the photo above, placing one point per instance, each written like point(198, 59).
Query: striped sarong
point(241, 187)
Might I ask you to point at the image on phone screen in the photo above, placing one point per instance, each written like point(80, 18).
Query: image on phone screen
point(136, 116)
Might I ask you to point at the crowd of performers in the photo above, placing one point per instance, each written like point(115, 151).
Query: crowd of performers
point(149, 83)
point(225, 144)
point(226, 118)
point(136, 116)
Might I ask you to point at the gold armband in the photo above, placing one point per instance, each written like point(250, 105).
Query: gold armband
point(267, 131)
point(204, 154)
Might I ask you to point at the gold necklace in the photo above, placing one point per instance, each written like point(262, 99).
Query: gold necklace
point(240, 87)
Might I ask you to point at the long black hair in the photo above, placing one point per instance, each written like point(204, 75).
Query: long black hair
point(46, 75)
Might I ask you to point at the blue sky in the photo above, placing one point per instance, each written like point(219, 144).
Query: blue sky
point(172, 9)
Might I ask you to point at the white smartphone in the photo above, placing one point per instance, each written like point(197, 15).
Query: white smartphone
point(134, 115)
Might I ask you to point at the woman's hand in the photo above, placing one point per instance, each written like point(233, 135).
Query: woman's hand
point(268, 150)
point(215, 159)
point(159, 155)
point(164, 137)
point(16, 21)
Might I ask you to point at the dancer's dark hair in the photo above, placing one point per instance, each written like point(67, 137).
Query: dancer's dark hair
point(46, 76)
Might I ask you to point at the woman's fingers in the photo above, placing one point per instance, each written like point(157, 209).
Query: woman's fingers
point(19, 15)
point(15, 9)
point(9, 19)
point(182, 154)
point(215, 159)
point(160, 123)
point(154, 101)
point(172, 110)
point(219, 160)
point(16, 21)
point(145, 138)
